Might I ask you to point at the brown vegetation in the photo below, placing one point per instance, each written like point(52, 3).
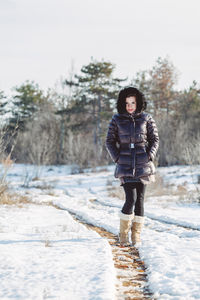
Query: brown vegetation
point(13, 199)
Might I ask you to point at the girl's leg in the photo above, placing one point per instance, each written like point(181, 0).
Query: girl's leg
point(130, 196)
point(126, 215)
point(138, 220)
point(139, 204)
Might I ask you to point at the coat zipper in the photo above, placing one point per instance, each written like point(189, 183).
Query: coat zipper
point(133, 149)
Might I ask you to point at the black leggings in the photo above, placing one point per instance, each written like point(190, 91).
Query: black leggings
point(134, 192)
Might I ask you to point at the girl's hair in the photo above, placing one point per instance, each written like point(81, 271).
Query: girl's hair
point(141, 103)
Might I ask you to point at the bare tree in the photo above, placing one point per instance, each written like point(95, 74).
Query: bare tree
point(80, 150)
point(39, 142)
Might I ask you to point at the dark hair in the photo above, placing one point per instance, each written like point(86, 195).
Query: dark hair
point(128, 92)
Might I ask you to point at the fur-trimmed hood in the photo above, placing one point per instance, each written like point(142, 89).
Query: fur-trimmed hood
point(127, 92)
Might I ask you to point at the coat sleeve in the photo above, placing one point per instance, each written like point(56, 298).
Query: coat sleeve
point(112, 139)
point(152, 137)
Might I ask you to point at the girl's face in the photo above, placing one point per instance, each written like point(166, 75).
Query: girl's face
point(131, 104)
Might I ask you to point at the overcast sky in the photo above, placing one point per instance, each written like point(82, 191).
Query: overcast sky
point(40, 39)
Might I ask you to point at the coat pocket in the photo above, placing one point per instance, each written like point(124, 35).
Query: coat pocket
point(142, 158)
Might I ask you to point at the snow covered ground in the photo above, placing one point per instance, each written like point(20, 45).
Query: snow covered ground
point(45, 254)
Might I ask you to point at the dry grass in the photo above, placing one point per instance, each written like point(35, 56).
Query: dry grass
point(21, 200)
point(114, 191)
point(13, 199)
point(47, 243)
point(36, 178)
point(3, 188)
point(43, 186)
point(6, 164)
point(96, 170)
point(158, 188)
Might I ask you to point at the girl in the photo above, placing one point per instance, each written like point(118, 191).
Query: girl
point(132, 142)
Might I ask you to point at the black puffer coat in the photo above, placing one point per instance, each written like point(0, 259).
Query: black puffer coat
point(132, 142)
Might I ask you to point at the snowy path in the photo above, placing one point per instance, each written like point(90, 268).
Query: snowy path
point(131, 277)
point(171, 252)
point(171, 237)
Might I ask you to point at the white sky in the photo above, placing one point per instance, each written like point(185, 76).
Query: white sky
point(41, 38)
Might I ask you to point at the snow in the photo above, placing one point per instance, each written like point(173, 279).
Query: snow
point(181, 175)
point(172, 257)
point(44, 253)
point(77, 263)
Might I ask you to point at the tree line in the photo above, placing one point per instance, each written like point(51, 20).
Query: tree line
point(69, 126)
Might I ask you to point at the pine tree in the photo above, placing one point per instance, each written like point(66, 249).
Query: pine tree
point(163, 76)
point(26, 102)
point(93, 101)
point(96, 91)
point(188, 106)
point(3, 103)
point(4, 109)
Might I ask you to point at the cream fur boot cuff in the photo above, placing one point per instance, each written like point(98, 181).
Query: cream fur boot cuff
point(138, 219)
point(126, 217)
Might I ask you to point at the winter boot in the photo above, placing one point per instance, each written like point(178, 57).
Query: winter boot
point(125, 225)
point(136, 229)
